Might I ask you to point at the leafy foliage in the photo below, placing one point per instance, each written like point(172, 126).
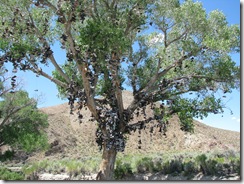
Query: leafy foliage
point(23, 122)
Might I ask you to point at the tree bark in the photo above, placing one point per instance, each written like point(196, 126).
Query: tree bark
point(107, 165)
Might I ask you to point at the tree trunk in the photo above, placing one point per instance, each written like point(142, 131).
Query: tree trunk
point(107, 165)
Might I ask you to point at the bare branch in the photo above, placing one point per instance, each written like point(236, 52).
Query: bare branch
point(151, 84)
point(39, 71)
point(58, 68)
point(134, 76)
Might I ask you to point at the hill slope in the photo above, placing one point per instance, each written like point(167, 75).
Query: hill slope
point(70, 138)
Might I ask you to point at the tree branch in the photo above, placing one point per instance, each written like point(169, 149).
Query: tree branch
point(129, 20)
point(50, 5)
point(151, 83)
point(106, 4)
point(13, 111)
point(50, 56)
point(113, 3)
point(140, 124)
point(134, 68)
point(58, 68)
point(95, 8)
point(176, 39)
point(2, 143)
point(39, 71)
point(118, 92)
point(82, 68)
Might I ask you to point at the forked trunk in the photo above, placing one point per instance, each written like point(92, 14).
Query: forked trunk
point(107, 165)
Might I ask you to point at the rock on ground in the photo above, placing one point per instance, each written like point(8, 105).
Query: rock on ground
point(47, 176)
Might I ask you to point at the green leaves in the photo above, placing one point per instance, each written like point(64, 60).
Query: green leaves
point(220, 36)
point(103, 37)
point(71, 70)
point(25, 123)
point(198, 107)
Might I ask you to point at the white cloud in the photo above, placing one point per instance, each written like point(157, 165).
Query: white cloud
point(236, 119)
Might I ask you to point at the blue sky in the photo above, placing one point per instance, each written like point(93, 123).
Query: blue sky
point(48, 91)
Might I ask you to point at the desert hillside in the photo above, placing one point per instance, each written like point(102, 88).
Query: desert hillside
point(70, 138)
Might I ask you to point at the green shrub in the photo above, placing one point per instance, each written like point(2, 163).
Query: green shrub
point(74, 168)
point(5, 174)
point(122, 169)
point(71, 166)
point(201, 161)
point(173, 166)
point(189, 168)
point(236, 165)
point(8, 155)
point(31, 142)
point(211, 167)
point(145, 165)
point(215, 164)
point(30, 170)
point(92, 165)
point(157, 162)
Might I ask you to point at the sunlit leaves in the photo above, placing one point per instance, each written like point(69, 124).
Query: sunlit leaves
point(192, 16)
point(220, 35)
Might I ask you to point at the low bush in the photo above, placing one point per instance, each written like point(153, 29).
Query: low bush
point(122, 169)
point(173, 166)
point(145, 165)
point(30, 170)
point(189, 168)
point(8, 155)
point(5, 174)
point(201, 161)
point(235, 165)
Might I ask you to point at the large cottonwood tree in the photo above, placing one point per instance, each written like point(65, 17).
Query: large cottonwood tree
point(167, 52)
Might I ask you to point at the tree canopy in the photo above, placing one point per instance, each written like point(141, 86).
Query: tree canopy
point(165, 51)
point(21, 123)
